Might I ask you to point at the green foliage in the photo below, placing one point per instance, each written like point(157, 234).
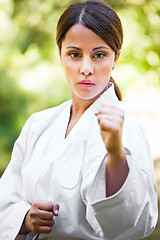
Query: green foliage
point(13, 108)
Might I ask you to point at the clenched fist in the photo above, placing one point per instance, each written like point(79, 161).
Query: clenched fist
point(40, 218)
point(110, 119)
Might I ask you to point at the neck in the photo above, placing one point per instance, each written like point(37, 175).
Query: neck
point(79, 106)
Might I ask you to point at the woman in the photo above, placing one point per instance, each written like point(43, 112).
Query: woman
point(82, 170)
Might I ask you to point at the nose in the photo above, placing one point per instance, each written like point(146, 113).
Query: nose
point(86, 67)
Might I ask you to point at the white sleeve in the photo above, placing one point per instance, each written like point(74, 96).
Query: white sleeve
point(13, 207)
point(131, 213)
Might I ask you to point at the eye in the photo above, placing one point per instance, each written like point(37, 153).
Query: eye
point(99, 55)
point(74, 55)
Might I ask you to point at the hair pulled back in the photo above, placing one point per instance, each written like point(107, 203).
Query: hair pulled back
point(98, 17)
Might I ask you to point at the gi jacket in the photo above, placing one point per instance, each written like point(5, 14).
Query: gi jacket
point(71, 172)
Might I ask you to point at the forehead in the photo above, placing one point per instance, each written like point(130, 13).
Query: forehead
point(79, 35)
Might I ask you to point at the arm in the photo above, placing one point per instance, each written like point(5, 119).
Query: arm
point(129, 210)
point(116, 173)
point(110, 119)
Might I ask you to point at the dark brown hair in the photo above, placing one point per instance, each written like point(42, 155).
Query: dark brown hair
point(98, 17)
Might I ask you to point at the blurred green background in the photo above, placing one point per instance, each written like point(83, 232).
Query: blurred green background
point(32, 79)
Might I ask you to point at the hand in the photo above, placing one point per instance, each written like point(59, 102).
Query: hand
point(39, 218)
point(110, 119)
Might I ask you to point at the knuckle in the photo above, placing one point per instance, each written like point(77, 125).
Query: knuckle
point(48, 229)
point(34, 222)
point(102, 123)
point(50, 223)
point(50, 215)
point(35, 205)
point(33, 214)
point(50, 204)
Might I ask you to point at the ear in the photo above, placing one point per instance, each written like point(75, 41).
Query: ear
point(116, 58)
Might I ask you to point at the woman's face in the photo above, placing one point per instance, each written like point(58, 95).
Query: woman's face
point(87, 61)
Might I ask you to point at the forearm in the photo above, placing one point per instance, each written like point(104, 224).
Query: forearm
point(116, 173)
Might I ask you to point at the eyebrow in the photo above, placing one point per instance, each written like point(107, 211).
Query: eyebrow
point(94, 49)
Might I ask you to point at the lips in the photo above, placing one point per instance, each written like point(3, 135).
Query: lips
point(86, 83)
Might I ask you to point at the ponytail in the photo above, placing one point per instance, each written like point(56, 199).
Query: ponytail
point(117, 90)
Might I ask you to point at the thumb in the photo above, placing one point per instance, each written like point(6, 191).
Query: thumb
point(55, 208)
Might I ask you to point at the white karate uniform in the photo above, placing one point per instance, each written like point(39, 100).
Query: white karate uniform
point(71, 172)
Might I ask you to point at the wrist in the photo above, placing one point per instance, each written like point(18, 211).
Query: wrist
point(117, 157)
point(24, 229)
point(26, 222)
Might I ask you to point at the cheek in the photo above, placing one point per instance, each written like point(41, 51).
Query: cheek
point(69, 71)
point(105, 69)
point(68, 66)
point(66, 69)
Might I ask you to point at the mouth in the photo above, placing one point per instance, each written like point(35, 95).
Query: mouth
point(86, 83)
